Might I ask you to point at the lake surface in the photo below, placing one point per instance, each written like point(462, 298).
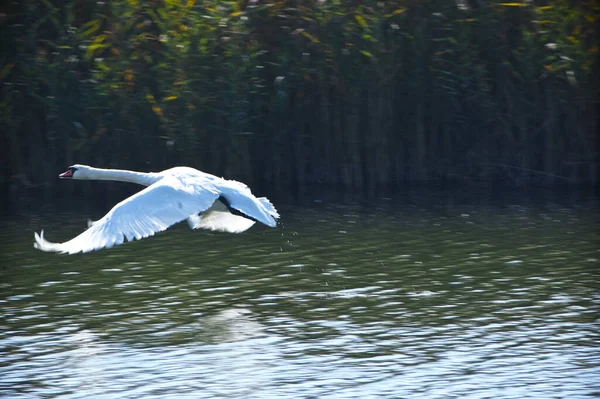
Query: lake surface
point(420, 295)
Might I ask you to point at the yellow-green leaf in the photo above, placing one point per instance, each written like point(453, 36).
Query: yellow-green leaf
point(361, 21)
point(150, 98)
point(310, 37)
point(366, 53)
point(99, 39)
point(396, 12)
point(157, 110)
point(91, 49)
point(170, 98)
point(513, 4)
point(235, 13)
point(90, 27)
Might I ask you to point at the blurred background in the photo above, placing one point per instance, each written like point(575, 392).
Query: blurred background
point(361, 95)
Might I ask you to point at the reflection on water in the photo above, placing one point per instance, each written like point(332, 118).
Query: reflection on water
point(394, 298)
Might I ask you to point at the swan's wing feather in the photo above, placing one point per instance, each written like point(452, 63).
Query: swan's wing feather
point(153, 209)
point(238, 196)
point(218, 218)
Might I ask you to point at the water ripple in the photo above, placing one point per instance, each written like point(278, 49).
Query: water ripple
point(341, 301)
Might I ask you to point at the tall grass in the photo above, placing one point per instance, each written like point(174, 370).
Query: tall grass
point(363, 95)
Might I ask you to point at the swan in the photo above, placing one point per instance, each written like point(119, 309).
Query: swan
point(171, 196)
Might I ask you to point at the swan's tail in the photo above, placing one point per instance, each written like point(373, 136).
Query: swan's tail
point(220, 221)
point(46, 246)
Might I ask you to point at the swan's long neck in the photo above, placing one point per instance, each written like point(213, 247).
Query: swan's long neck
point(128, 176)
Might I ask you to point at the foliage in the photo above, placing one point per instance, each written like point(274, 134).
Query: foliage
point(357, 93)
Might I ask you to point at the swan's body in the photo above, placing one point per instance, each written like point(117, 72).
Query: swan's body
point(173, 195)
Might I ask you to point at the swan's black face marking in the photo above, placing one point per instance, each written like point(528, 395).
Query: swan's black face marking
point(68, 174)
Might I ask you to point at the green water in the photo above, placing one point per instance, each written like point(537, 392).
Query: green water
point(424, 296)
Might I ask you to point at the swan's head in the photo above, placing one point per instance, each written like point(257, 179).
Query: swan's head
point(79, 172)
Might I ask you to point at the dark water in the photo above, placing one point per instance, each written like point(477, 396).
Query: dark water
point(421, 297)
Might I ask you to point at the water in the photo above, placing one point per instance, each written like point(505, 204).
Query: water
point(425, 296)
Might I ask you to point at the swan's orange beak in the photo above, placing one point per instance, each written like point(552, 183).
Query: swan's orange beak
point(67, 174)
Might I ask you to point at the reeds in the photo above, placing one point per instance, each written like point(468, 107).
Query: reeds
point(358, 94)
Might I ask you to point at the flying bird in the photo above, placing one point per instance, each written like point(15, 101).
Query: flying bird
point(171, 196)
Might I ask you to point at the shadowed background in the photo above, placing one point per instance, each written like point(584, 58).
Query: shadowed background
point(288, 94)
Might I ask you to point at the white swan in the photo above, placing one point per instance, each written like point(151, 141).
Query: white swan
point(206, 201)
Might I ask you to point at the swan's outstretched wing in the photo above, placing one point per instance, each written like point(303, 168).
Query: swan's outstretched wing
point(218, 218)
point(153, 209)
point(238, 196)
